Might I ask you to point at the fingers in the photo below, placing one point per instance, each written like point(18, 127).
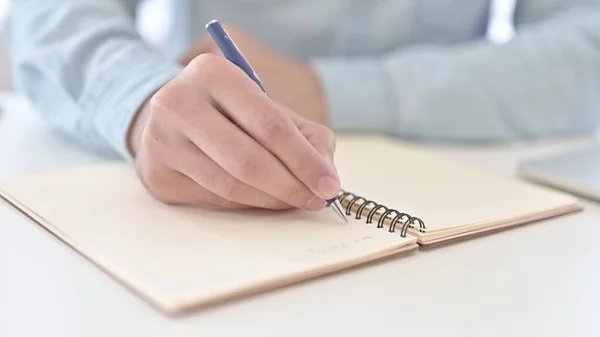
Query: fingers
point(318, 135)
point(242, 157)
point(206, 173)
point(166, 184)
point(273, 129)
point(166, 152)
point(233, 146)
point(172, 187)
point(323, 140)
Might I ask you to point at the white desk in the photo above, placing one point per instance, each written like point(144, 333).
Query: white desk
point(538, 280)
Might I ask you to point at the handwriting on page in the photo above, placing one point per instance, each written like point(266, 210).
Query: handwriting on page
point(273, 267)
point(339, 246)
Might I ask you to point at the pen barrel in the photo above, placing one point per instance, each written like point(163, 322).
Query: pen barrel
point(231, 51)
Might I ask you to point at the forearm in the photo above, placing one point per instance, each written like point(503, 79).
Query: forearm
point(83, 66)
point(543, 83)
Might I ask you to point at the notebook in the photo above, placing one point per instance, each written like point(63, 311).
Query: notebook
point(441, 199)
point(181, 258)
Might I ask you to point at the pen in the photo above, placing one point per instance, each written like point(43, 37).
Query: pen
point(233, 54)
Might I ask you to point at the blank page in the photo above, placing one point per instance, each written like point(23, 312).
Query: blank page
point(443, 193)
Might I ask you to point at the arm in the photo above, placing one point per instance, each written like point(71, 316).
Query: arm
point(544, 83)
point(83, 66)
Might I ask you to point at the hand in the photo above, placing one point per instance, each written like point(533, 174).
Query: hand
point(287, 81)
point(211, 137)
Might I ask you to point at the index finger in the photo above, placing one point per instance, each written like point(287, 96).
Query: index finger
point(266, 122)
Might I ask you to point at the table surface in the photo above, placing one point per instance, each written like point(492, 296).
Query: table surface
point(541, 279)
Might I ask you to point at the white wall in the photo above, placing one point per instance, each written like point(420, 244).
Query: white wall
point(5, 76)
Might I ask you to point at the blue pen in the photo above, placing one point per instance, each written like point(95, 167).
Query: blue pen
point(233, 54)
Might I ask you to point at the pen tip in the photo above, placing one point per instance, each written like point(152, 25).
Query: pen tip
point(337, 208)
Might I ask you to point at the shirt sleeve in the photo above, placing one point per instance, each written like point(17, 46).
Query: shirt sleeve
point(545, 82)
point(83, 66)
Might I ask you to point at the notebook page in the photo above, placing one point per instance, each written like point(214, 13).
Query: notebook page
point(443, 193)
point(181, 257)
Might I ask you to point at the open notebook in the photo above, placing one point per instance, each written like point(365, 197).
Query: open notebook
point(179, 258)
point(440, 199)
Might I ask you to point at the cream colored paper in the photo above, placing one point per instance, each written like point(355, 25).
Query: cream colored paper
point(180, 257)
point(448, 196)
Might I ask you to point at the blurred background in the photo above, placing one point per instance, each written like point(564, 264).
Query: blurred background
point(152, 24)
point(5, 83)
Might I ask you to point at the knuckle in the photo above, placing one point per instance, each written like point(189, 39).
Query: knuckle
point(206, 65)
point(296, 195)
point(273, 128)
point(325, 135)
point(158, 100)
point(329, 136)
point(201, 61)
point(229, 188)
point(152, 140)
point(164, 99)
point(214, 199)
point(165, 106)
point(247, 168)
point(224, 185)
point(170, 111)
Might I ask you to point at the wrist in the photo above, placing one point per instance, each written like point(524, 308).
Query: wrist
point(136, 128)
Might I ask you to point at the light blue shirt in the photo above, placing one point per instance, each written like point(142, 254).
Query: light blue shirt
point(419, 69)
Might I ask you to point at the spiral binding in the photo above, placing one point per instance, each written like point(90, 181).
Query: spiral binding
point(351, 200)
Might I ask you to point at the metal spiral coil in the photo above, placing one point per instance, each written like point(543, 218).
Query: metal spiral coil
point(350, 200)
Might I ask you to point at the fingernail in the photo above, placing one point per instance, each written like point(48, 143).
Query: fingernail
point(315, 204)
point(328, 187)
